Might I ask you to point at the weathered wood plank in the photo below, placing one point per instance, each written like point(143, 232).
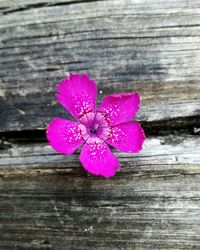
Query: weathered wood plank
point(48, 202)
point(172, 150)
point(149, 46)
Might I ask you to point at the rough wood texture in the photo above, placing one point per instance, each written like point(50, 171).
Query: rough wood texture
point(48, 202)
point(149, 46)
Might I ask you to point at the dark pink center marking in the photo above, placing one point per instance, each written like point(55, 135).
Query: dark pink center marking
point(95, 124)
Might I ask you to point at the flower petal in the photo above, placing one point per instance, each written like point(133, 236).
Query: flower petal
point(120, 108)
point(77, 94)
point(127, 137)
point(64, 136)
point(97, 158)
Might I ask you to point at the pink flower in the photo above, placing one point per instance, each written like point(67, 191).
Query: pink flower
point(95, 128)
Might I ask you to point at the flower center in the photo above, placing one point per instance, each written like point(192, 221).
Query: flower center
point(94, 124)
point(94, 129)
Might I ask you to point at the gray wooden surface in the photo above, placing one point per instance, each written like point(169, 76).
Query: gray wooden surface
point(149, 46)
point(47, 201)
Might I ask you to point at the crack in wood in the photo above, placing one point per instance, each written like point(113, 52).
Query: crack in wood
point(45, 4)
point(171, 127)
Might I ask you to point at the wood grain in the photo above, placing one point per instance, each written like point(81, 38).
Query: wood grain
point(48, 201)
point(149, 46)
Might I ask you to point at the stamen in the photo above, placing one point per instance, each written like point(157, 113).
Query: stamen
point(95, 123)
